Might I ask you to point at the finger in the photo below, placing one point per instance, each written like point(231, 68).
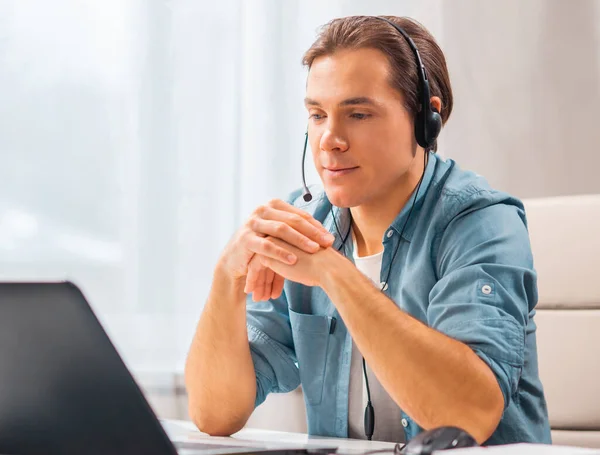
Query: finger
point(300, 233)
point(265, 246)
point(277, 205)
point(277, 288)
point(278, 243)
point(259, 289)
point(308, 226)
point(252, 276)
point(285, 232)
point(262, 293)
point(268, 288)
point(293, 216)
point(268, 263)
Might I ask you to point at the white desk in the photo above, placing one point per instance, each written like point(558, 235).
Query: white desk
point(524, 449)
point(186, 433)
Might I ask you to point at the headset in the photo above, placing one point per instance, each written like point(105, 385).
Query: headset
point(428, 124)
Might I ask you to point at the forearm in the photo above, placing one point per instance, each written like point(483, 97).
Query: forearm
point(219, 375)
point(433, 378)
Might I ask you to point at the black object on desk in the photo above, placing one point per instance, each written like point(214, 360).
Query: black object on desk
point(64, 388)
point(430, 441)
point(442, 438)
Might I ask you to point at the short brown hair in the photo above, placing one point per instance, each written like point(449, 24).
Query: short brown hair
point(358, 32)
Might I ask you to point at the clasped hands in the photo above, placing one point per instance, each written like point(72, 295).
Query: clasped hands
point(278, 242)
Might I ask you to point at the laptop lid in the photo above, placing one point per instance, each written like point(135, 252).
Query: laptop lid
point(64, 389)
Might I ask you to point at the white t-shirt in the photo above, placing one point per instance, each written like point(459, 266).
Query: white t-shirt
point(388, 417)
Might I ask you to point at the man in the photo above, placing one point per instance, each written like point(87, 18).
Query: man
point(428, 275)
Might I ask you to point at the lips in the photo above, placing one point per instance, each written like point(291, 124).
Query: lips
point(335, 169)
point(339, 172)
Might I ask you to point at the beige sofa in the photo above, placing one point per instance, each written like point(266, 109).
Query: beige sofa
point(565, 237)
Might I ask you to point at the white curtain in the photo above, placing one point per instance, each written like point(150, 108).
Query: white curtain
point(135, 136)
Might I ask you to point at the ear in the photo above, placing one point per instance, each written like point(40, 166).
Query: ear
point(436, 103)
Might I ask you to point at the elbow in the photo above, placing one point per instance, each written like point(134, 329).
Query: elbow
point(488, 416)
point(214, 424)
point(215, 413)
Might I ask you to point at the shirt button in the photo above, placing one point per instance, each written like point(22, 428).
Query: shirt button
point(383, 286)
point(390, 233)
point(486, 289)
point(404, 423)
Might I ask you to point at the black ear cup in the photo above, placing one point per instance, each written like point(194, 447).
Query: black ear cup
point(434, 126)
point(428, 124)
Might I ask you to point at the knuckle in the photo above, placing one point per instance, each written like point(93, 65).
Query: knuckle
point(260, 211)
point(280, 228)
point(266, 245)
point(244, 234)
point(273, 203)
point(254, 223)
point(296, 219)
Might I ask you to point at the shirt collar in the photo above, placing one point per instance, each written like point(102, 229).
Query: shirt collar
point(342, 215)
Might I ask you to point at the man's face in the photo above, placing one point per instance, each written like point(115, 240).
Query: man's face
point(360, 133)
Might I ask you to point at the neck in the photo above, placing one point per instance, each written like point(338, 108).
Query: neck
point(371, 219)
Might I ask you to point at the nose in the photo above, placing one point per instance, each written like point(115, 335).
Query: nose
point(333, 140)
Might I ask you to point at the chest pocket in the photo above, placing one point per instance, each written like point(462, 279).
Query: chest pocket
point(311, 342)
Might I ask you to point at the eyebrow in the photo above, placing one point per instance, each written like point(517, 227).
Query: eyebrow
point(347, 102)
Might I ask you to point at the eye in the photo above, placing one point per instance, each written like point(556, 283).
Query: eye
point(360, 116)
point(316, 116)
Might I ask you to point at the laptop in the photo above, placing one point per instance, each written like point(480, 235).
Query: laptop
point(64, 389)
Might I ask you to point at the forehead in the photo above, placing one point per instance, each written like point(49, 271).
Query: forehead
point(361, 72)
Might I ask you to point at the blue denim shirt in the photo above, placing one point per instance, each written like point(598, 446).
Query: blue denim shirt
point(464, 267)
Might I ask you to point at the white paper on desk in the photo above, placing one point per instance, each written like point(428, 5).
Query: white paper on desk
point(524, 449)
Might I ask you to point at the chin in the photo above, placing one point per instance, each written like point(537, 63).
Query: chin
point(344, 197)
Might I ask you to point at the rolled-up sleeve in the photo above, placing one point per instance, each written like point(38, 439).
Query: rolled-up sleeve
point(271, 347)
point(486, 288)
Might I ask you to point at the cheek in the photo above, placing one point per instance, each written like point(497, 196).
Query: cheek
point(314, 144)
point(388, 165)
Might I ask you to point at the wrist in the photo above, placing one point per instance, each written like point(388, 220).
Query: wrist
point(227, 283)
point(332, 270)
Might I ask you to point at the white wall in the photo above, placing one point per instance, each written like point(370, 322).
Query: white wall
point(526, 77)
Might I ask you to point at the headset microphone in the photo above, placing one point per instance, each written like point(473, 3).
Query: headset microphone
point(306, 195)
